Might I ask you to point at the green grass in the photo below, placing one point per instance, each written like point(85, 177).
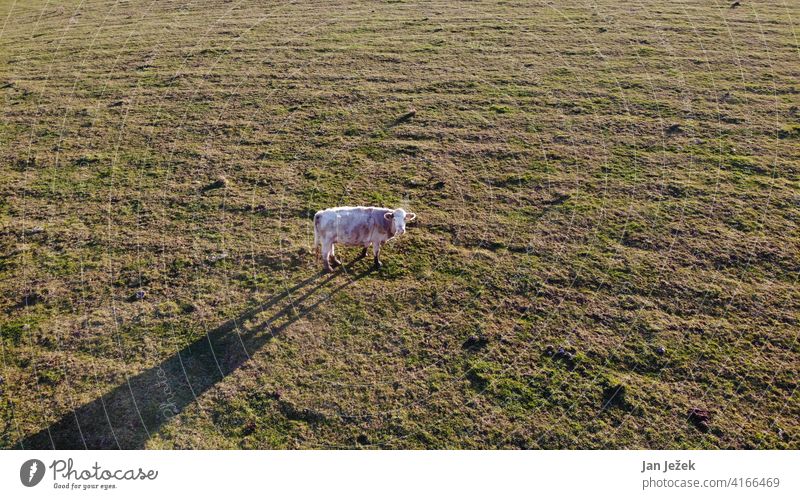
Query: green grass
point(557, 207)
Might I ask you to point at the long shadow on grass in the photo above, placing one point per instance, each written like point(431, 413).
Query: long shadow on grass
point(127, 416)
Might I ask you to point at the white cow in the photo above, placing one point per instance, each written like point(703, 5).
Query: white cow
point(357, 226)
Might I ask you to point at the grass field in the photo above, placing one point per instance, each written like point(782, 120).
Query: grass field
point(620, 180)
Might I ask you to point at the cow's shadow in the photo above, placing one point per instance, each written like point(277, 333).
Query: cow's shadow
point(128, 415)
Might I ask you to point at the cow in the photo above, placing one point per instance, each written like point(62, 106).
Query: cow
point(357, 226)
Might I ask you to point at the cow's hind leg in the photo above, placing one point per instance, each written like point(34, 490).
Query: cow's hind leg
point(327, 250)
point(364, 252)
point(336, 261)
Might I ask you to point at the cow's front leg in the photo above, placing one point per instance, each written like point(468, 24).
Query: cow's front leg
point(377, 250)
point(336, 261)
point(363, 252)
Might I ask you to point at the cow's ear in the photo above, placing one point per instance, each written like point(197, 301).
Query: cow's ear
point(388, 216)
point(410, 217)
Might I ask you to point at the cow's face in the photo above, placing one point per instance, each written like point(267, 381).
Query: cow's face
point(399, 217)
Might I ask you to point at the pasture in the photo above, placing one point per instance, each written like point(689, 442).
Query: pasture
point(605, 255)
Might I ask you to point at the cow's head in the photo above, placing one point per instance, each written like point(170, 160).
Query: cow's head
point(399, 217)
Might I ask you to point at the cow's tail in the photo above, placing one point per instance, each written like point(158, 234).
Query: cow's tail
point(316, 236)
